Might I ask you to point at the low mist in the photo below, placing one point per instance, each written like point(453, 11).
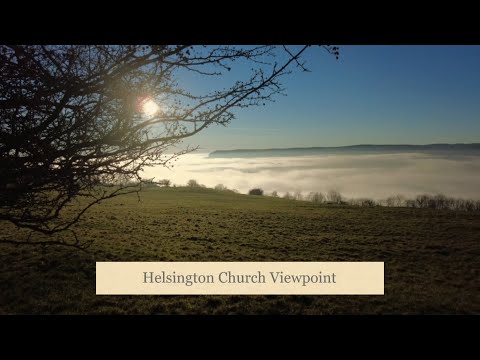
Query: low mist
point(375, 176)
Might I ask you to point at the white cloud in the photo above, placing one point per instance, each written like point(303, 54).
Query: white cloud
point(375, 176)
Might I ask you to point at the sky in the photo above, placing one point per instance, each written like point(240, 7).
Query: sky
point(371, 95)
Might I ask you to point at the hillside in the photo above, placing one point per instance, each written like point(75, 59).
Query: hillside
point(444, 149)
point(431, 256)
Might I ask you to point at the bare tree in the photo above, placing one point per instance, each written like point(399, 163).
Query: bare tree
point(193, 183)
point(297, 195)
point(334, 197)
point(220, 187)
point(75, 118)
point(395, 201)
point(316, 197)
point(288, 196)
point(164, 183)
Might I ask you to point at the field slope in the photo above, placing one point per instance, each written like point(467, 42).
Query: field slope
point(431, 257)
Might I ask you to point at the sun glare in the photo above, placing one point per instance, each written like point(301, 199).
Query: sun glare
point(150, 107)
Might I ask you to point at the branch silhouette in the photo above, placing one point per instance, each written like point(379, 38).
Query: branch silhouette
point(72, 129)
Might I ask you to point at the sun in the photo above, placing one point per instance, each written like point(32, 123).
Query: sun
point(150, 107)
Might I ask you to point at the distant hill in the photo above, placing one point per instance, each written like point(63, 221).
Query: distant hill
point(353, 149)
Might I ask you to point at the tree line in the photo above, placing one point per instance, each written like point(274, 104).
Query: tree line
point(423, 201)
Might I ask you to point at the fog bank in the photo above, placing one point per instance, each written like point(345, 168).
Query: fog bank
point(374, 176)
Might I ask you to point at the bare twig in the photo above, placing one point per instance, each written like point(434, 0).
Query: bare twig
point(72, 124)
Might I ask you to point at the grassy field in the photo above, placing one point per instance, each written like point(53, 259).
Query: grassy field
point(431, 257)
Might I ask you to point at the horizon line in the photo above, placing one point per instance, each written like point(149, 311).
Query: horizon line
point(340, 146)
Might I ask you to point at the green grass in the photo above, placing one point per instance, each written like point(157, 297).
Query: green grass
point(431, 256)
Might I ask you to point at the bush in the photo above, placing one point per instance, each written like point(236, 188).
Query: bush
point(363, 202)
point(438, 202)
point(274, 194)
point(256, 191)
point(422, 201)
point(410, 203)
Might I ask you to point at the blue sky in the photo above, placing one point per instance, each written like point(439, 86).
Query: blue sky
point(371, 95)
